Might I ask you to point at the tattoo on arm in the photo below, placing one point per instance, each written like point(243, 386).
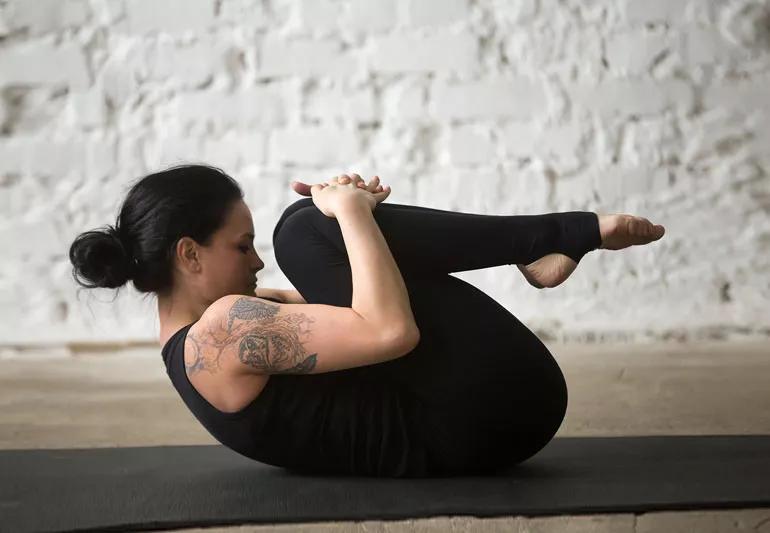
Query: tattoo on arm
point(199, 362)
point(245, 309)
point(273, 344)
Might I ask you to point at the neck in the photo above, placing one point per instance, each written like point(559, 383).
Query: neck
point(175, 313)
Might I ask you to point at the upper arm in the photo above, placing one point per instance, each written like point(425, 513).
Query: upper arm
point(263, 337)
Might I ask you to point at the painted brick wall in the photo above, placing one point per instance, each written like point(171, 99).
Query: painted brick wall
point(659, 108)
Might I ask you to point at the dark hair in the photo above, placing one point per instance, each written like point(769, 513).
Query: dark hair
point(159, 209)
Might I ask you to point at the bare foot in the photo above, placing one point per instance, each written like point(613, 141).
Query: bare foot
point(622, 231)
point(548, 271)
point(617, 231)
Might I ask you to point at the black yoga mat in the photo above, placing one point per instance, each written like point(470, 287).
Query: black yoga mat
point(159, 487)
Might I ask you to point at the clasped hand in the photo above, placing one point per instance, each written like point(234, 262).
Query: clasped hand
point(373, 186)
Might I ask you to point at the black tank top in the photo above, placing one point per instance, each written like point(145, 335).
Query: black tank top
point(342, 422)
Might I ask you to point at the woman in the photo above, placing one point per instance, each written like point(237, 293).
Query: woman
point(382, 363)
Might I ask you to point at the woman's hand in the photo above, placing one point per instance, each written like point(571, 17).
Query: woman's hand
point(373, 186)
point(329, 196)
point(342, 190)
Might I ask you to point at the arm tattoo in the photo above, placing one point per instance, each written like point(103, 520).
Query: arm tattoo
point(244, 309)
point(272, 343)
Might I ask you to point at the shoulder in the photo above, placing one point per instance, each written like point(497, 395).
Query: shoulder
point(225, 313)
point(213, 342)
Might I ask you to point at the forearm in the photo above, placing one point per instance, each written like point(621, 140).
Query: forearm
point(277, 294)
point(379, 293)
point(285, 296)
point(292, 297)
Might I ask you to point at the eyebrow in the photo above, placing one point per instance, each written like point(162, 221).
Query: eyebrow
point(248, 235)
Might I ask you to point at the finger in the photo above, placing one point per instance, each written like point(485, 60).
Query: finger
point(380, 196)
point(373, 184)
point(301, 188)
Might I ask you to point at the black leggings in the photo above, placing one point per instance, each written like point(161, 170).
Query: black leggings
point(483, 371)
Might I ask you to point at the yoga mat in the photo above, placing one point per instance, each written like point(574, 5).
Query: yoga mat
point(163, 487)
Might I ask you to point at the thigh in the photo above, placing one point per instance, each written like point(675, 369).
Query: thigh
point(493, 392)
point(473, 352)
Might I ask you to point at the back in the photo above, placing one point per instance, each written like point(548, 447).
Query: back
point(254, 335)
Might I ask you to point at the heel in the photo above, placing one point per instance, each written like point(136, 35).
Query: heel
point(579, 233)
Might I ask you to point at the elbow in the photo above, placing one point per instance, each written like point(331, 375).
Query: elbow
point(401, 341)
point(408, 339)
point(414, 337)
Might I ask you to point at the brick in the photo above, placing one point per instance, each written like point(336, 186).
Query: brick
point(633, 51)
point(16, 242)
point(519, 139)
point(87, 109)
point(404, 100)
point(558, 145)
point(471, 145)
point(188, 65)
point(745, 96)
point(411, 52)
point(633, 97)
point(101, 157)
point(304, 58)
point(463, 190)
point(22, 155)
point(520, 12)
point(236, 150)
point(435, 12)
point(618, 182)
point(312, 146)
point(253, 14)
point(338, 105)
point(651, 11)
point(118, 75)
point(13, 154)
point(562, 49)
point(168, 16)
point(318, 16)
point(712, 135)
point(164, 150)
point(366, 16)
point(42, 16)
point(651, 142)
point(708, 46)
point(220, 110)
point(43, 63)
point(60, 156)
point(518, 98)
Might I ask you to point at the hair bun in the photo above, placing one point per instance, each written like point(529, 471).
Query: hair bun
point(101, 258)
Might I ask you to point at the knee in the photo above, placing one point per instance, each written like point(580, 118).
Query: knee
point(289, 211)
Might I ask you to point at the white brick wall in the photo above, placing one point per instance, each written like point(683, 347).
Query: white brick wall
point(658, 108)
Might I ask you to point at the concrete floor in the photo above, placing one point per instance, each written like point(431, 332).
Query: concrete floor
point(109, 399)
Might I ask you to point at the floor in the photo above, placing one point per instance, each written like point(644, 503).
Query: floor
point(106, 398)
